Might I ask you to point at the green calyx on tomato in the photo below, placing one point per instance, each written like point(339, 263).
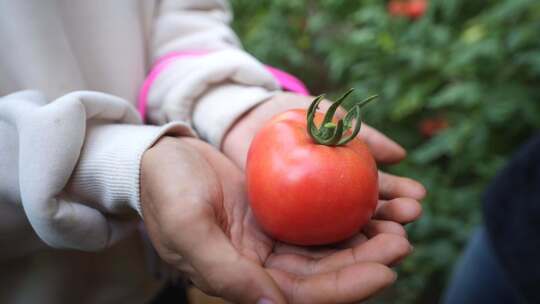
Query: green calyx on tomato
point(330, 133)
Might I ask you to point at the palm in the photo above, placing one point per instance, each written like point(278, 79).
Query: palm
point(305, 274)
point(202, 224)
point(254, 244)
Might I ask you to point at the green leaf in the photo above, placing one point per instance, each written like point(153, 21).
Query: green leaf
point(465, 94)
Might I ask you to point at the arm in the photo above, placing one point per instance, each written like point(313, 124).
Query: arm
point(512, 218)
point(213, 88)
point(73, 164)
point(213, 91)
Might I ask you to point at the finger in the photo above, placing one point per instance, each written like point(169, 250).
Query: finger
point(293, 263)
point(314, 252)
point(220, 267)
point(391, 186)
point(347, 285)
point(385, 249)
point(375, 227)
point(402, 210)
point(383, 148)
point(354, 241)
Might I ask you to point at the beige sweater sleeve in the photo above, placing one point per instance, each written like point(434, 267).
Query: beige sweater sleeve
point(71, 158)
point(209, 91)
point(72, 163)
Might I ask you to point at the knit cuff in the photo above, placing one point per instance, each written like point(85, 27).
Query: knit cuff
point(108, 172)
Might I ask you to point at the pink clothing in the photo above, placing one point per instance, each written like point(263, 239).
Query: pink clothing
point(286, 81)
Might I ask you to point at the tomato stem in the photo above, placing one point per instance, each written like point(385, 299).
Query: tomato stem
point(330, 133)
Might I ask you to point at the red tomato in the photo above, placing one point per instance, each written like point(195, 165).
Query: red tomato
point(430, 127)
point(412, 9)
point(416, 8)
point(396, 8)
point(306, 193)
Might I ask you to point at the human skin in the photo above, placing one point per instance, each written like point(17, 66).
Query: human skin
point(198, 218)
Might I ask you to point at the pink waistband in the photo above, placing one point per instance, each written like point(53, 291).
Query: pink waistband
point(286, 81)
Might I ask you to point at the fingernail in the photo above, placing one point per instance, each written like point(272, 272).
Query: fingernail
point(265, 301)
point(422, 192)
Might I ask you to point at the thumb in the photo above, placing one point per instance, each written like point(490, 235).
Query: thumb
point(224, 270)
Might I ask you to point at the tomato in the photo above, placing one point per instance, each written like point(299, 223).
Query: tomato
point(396, 8)
point(413, 9)
point(307, 193)
point(430, 127)
point(416, 8)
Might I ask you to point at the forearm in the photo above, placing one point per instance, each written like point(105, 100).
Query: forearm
point(72, 163)
point(201, 75)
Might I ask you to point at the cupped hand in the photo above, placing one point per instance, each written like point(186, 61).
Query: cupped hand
point(197, 216)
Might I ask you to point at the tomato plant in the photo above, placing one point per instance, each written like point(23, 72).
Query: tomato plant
point(310, 185)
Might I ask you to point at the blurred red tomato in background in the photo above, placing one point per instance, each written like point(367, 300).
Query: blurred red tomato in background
point(412, 9)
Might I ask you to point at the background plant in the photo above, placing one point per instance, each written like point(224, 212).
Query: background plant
point(459, 88)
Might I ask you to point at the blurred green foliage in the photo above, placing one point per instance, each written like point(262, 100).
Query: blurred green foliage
point(473, 64)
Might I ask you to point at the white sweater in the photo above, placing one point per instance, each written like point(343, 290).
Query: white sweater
point(71, 139)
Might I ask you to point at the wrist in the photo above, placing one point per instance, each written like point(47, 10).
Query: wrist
point(169, 164)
